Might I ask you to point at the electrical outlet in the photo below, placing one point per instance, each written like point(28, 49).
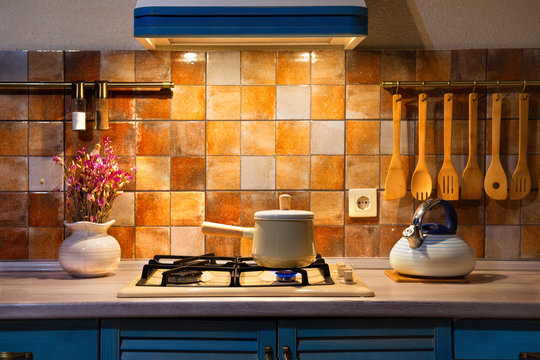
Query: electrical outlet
point(362, 203)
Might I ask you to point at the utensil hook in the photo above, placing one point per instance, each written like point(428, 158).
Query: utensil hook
point(397, 87)
point(473, 89)
point(498, 90)
point(449, 91)
point(523, 90)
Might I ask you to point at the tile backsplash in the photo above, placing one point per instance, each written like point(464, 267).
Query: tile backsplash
point(241, 127)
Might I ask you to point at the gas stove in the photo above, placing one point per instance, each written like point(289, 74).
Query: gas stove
point(210, 275)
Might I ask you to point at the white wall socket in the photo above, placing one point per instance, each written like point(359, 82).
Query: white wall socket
point(362, 203)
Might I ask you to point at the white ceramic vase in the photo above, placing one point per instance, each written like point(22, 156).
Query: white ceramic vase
point(89, 251)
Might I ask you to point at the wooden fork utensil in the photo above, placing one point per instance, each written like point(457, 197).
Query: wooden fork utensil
point(448, 180)
point(520, 185)
point(421, 185)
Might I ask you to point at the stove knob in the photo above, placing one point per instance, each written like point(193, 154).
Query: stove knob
point(347, 275)
point(340, 267)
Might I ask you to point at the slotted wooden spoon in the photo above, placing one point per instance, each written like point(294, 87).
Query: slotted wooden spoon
point(495, 183)
point(421, 180)
point(520, 185)
point(472, 180)
point(396, 182)
point(448, 180)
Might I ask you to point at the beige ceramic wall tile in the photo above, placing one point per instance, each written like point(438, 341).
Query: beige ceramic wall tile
point(293, 102)
point(117, 65)
point(223, 172)
point(362, 172)
point(530, 209)
point(258, 138)
point(502, 242)
point(150, 65)
point(223, 67)
point(187, 138)
point(150, 241)
point(258, 67)
point(363, 102)
point(406, 144)
point(258, 172)
point(328, 137)
point(223, 103)
point(327, 207)
point(223, 137)
point(188, 103)
point(44, 174)
point(187, 208)
point(153, 173)
point(398, 211)
point(187, 240)
point(292, 172)
point(293, 137)
point(258, 102)
point(293, 68)
point(327, 102)
point(327, 172)
point(123, 210)
point(328, 67)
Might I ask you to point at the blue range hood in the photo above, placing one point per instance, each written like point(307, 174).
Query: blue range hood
point(191, 24)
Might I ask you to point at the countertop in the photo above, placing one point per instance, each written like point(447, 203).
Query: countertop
point(491, 293)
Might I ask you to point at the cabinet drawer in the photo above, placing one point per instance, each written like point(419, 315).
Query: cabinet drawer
point(495, 339)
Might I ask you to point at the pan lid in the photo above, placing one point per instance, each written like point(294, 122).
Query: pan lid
point(284, 212)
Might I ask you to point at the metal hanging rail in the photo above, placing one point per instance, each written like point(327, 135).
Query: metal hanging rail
point(450, 84)
point(112, 84)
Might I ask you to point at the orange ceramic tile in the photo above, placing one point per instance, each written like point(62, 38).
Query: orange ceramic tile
point(389, 234)
point(153, 107)
point(187, 208)
point(258, 173)
point(152, 65)
point(126, 238)
point(363, 138)
point(188, 103)
point(329, 240)
point(328, 67)
point(530, 248)
point(254, 201)
point(474, 236)
point(469, 64)
point(362, 172)
point(122, 136)
point(292, 137)
point(126, 163)
point(502, 242)
point(409, 102)
point(293, 67)
point(153, 138)
point(123, 209)
point(504, 64)
point(46, 209)
point(327, 172)
point(81, 65)
point(223, 207)
point(328, 207)
point(292, 172)
point(14, 106)
point(153, 173)
point(14, 137)
point(398, 211)
point(223, 172)
point(187, 173)
point(223, 137)
point(14, 244)
point(299, 199)
point(223, 103)
point(362, 240)
point(150, 241)
point(76, 140)
point(398, 64)
point(44, 243)
point(187, 138)
point(530, 209)
point(408, 166)
point(258, 138)
point(13, 209)
point(13, 65)
point(363, 102)
point(327, 102)
point(152, 208)
point(258, 67)
point(363, 67)
point(46, 105)
point(188, 68)
point(117, 65)
point(187, 240)
point(121, 105)
point(433, 65)
point(222, 245)
point(258, 102)
point(46, 65)
point(14, 174)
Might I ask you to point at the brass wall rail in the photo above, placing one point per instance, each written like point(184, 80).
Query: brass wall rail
point(450, 84)
point(112, 84)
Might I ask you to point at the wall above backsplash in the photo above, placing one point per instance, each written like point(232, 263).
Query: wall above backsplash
point(240, 128)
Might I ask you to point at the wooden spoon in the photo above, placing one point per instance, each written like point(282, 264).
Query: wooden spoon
point(448, 180)
point(495, 183)
point(520, 185)
point(421, 180)
point(396, 182)
point(472, 179)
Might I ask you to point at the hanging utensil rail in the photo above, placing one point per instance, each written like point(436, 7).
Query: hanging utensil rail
point(112, 84)
point(450, 84)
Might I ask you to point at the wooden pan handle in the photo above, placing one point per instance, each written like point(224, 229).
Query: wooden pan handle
point(210, 228)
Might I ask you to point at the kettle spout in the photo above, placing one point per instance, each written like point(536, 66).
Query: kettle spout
point(412, 234)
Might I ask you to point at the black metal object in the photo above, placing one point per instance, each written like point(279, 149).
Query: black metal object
point(187, 270)
point(15, 355)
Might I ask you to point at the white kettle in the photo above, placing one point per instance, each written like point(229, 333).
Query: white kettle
point(433, 250)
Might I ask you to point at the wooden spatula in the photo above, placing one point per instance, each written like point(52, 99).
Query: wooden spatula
point(495, 183)
point(448, 180)
point(396, 182)
point(520, 185)
point(472, 180)
point(421, 180)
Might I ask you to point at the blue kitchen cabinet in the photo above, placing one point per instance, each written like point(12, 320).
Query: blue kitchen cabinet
point(495, 339)
point(51, 339)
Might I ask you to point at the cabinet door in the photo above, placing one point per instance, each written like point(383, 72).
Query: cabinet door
point(495, 339)
point(51, 339)
point(366, 339)
point(194, 339)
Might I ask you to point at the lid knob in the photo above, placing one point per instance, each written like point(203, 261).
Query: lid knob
point(285, 202)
